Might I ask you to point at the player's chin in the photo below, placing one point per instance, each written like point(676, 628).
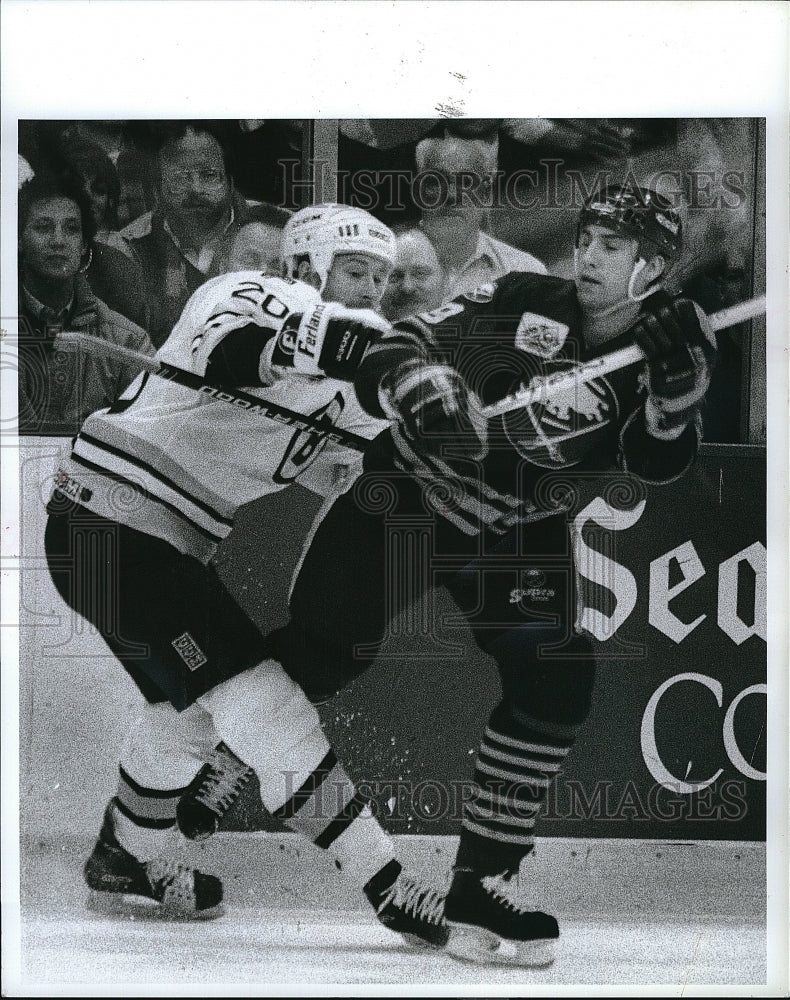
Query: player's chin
point(589, 292)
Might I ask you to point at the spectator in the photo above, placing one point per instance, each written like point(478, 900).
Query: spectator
point(24, 171)
point(59, 387)
point(453, 217)
point(111, 272)
point(187, 238)
point(101, 185)
point(256, 245)
point(415, 285)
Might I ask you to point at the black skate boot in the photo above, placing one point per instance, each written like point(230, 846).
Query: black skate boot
point(211, 793)
point(488, 922)
point(167, 890)
point(403, 905)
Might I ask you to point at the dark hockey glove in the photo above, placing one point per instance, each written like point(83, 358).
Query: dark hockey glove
point(327, 340)
point(435, 409)
point(680, 362)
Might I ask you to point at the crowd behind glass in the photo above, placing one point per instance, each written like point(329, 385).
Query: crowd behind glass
point(120, 221)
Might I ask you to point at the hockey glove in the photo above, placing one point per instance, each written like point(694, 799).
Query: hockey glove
point(328, 339)
point(680, 362)
point(434, 408)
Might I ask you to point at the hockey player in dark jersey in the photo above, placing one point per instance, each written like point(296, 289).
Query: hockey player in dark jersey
point(486, 486)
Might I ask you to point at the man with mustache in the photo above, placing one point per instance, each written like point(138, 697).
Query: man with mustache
point(186, 239)
point(415, 284)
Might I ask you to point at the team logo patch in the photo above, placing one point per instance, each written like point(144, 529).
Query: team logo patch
point(286, 342)
point(563, 428)
point(540, 335)
point(189, 651)
point(71, 488)
point(482, 294)
point(305, 446)
point(533, 588)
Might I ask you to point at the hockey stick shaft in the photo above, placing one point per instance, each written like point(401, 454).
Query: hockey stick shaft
point(274, 411)
point(223, 394)
point(543, 388)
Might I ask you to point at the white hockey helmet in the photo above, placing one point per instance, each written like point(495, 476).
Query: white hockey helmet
point(321, 231)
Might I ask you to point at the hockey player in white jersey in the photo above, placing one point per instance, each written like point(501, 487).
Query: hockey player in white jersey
point(139, 507)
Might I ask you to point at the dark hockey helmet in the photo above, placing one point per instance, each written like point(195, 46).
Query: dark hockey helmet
point(637, 212)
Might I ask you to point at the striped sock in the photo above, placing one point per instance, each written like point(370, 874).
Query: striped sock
point(515, 766)
point(329, 811)
point(144, 818)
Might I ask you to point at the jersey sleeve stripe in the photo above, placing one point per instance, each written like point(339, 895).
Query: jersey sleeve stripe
point(103, 447)
point(212, 536)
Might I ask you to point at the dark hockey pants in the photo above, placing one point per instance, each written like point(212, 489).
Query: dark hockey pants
point(380, 548)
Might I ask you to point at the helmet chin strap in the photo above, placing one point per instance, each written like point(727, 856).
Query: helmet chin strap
point(639, 266)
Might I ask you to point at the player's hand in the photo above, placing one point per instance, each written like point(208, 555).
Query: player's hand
point(327, 339)
point(435, 409)
point(680, 363)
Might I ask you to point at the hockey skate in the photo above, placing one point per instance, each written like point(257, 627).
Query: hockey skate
point(211, 793)
point(404, 906)
point(159, 889)
point(489, 923)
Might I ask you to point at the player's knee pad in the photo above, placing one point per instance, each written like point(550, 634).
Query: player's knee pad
point(250, 698)
point(267, 720)
point(164, 749)
point(547, 681)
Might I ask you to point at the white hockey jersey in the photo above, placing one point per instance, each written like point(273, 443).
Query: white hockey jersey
point(176, 463)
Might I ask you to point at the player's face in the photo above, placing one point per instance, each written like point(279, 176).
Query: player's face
point(256, 247)
point(195, 189)
point(604, 265)
point(415, 284)
point(356, 280)
point(51, 242)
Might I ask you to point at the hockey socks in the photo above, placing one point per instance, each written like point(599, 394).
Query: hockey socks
point(329, 811)
point(517, 761)
point(144, 818)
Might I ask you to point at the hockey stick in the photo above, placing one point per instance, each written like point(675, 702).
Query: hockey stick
point(223, 394)
point(540, 388)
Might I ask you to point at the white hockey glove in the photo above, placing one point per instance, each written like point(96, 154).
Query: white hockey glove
point(434, 408)
point(327, 339)
point(679, 368)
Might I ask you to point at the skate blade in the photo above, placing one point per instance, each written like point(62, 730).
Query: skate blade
point(415, 941)
point(131, 907)
point(475, 944)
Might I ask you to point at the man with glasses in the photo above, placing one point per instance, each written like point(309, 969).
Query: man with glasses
point(186, 239)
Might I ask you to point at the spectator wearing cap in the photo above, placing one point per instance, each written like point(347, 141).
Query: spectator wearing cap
point(454, 210)
point(60, 386)
point(187, 238)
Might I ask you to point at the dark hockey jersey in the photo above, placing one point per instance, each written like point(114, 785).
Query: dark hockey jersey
point(500, 337)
